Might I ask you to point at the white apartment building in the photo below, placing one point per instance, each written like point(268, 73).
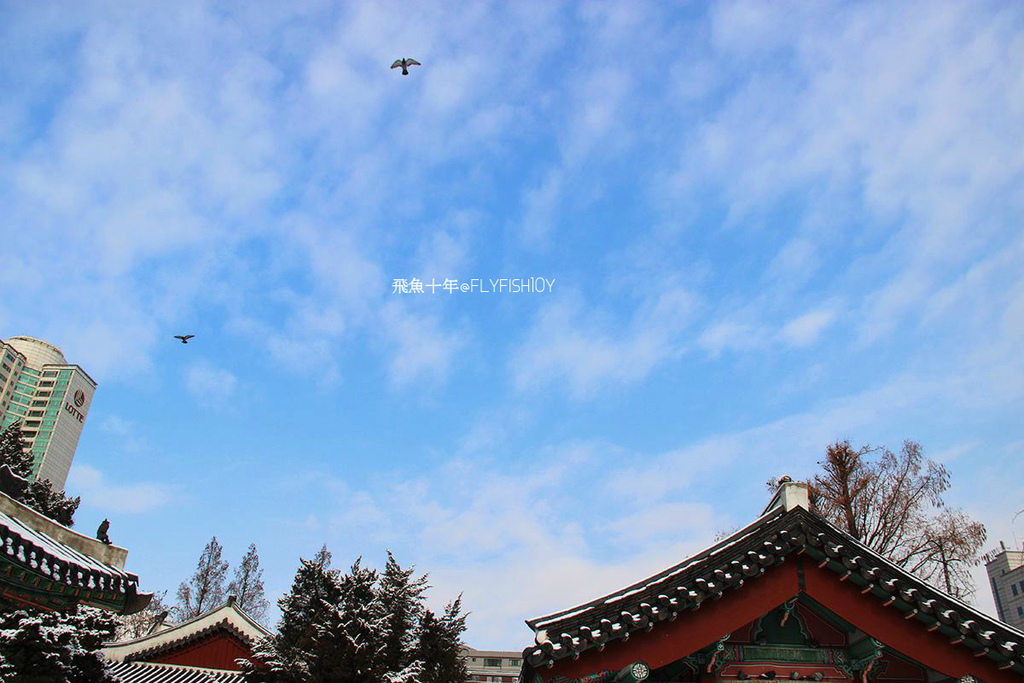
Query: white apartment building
point(493, 666)
point(1006, 573)
point(50, 397)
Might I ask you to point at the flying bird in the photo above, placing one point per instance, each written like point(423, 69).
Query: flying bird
point(405, 63)
point(184, 338)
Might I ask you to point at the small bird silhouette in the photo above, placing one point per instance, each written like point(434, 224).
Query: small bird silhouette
point(405, 63)
point(184, 338)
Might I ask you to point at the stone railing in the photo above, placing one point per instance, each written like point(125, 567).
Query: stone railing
point(101, 552)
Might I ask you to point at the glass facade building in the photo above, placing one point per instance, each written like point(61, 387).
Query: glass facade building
point(50, 397)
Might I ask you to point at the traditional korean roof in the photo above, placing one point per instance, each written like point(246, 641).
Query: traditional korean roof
point(227, 617)
point(50, 566)
point(143, 672)
point(787, 528)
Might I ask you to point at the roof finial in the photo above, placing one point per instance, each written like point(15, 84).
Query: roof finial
point(790, 494)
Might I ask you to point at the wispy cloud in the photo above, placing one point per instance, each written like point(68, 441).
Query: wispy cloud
point(589, 349)
point(96, 491)
point(422, 348)
point(210, 385)
point(807, 328)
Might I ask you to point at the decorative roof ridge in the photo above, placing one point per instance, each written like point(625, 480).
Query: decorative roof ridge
point(907, 575)
point(797, 531)
point(539, 622)
point(233, 619)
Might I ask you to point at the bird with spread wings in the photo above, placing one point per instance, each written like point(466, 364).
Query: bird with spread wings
point(405, 63)
point(184, 337)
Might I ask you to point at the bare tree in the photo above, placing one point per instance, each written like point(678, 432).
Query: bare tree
point(205, 590)
point(132, 626)
point(247, 586)
point(893, 504)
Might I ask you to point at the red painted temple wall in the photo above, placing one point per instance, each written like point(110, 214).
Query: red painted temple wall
point(909, 637)
point(218, 651)
point(671, 640)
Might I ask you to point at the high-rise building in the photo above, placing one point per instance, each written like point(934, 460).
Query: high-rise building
point(1006, 573)
point(50, 397)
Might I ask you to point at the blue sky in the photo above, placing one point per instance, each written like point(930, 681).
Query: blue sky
point(769, 226)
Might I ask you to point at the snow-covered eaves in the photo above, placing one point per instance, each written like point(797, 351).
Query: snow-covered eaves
point(609, 604)
point(742, 558)
point(228, 617)
point(40, 569)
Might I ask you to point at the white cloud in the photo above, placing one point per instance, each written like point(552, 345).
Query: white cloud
point(210, 385)
point(128, 431)
point(96, 491)
point(422, 348)
point(806, 329)
point(589, 350)
point(901, 146)
point(729, 335)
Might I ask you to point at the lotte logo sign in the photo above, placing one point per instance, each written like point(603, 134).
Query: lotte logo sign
point(79, 400)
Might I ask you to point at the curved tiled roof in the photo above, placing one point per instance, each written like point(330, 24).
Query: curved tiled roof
point(142, 672)
point(63, 573)
point(743, 557)
point(225, 617)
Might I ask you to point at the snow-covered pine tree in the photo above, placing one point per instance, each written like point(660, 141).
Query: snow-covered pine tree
point(14, 451)
point(355, 636)
point(247, 586)
point(401, 604)
point(360, 627)
point(440, 645)
point(205, 590)
point(296, 653)
point(38, 495)
point(53, 647)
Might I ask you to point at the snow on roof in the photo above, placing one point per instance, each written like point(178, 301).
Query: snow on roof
point(540, 622)
point(227, 615)
point(146, 672)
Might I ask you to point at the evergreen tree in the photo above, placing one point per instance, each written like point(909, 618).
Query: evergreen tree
point(401, 604)
point(38, 495)
point(14, 451)
point(53, 647)
point(205, 590)
point(247, 586)
point(440, 645)
point(296, 653)
point(360, 627)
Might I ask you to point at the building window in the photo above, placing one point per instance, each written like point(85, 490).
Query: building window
point(49, 373)
point(1013, 587)
point(1020, 611)
point(513, 662)
point(492, 662)
point(46, 384)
